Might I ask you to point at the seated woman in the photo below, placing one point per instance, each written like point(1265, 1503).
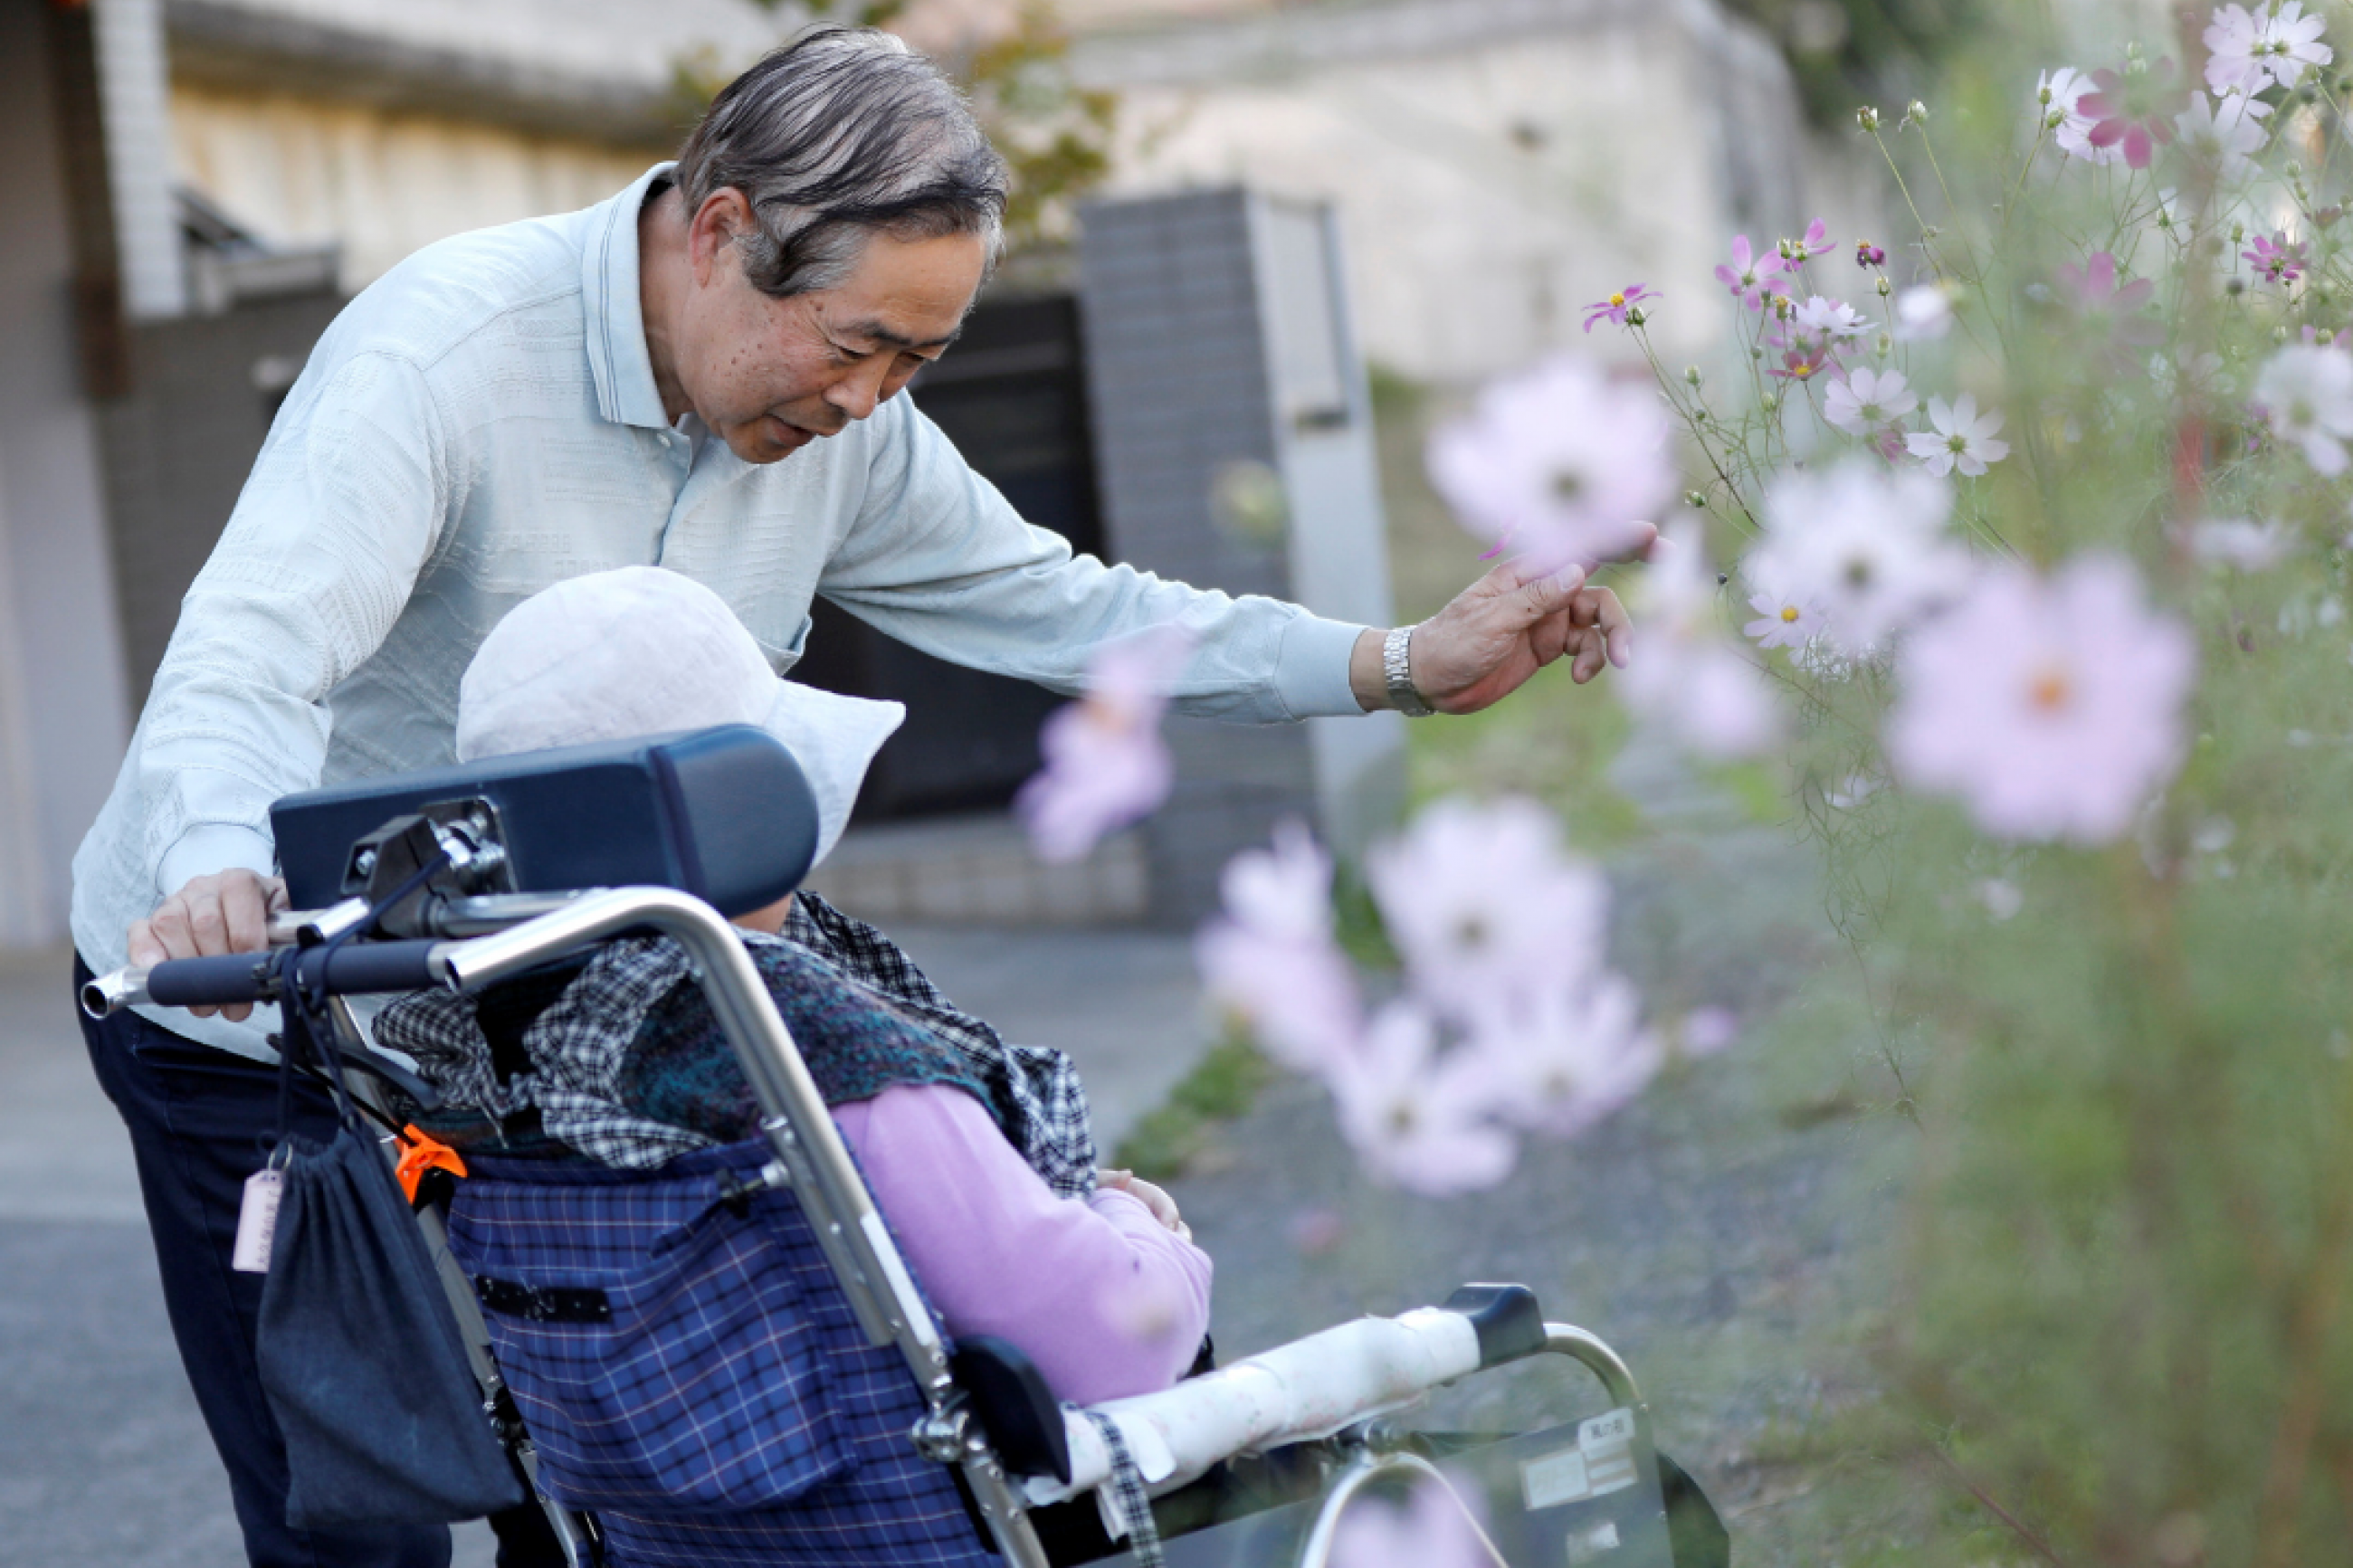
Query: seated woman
point(621, 1061)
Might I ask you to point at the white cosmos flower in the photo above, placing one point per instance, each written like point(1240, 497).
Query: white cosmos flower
point(1691, 678)
point(1827, 319)
point(2307, 392)
point(2242, 543)
point(1961, 438)
point(1559, 464)
point(1865, 544)
point(1782, 621)
point(2247, 51)
point(2225, 132)
point(1922, 313)
point(1868, 401)
point(2067, 87)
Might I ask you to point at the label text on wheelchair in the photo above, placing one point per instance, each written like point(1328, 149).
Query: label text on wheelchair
point(1602, 1462)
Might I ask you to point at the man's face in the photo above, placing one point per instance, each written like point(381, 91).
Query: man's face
point(771, 376)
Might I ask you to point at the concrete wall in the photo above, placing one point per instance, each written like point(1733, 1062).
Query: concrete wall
point(1495, 164)
point(379, 181)
point(62, 711)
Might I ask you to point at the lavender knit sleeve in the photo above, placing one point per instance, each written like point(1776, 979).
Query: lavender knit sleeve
point(1104, 1299)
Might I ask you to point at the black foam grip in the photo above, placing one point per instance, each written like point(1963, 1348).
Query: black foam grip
point(210, 981)
point(248, 976)
point(373, 966)
point(1020, 1415)
point(1509, 1321)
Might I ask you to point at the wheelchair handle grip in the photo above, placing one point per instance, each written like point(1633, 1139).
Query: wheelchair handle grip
point(237, 977)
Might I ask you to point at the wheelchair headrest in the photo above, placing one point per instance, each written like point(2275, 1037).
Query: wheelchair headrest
point(723, 814)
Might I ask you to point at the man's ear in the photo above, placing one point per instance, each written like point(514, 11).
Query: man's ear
point(710, 233)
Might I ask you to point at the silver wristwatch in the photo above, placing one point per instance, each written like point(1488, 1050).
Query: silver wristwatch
point(1398, 675)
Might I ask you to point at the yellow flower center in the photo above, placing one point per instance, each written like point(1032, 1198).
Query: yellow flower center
point(2051, 690)
point(1788, 614)
point(1617, 298)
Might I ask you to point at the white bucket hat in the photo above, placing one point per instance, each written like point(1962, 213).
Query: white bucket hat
point(637, 651)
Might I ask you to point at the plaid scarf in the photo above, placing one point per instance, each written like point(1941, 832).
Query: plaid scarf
point(622, 1061)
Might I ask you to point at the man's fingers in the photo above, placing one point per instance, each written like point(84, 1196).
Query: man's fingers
point(245, 910)
point(1589, 658)
point(145, 949)
point(1616, 626)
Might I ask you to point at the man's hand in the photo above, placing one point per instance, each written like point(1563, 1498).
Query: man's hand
point(1163, 1206)
point(1500, 631)
point(227, 912)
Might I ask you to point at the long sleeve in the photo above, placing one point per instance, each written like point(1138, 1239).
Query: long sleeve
point(316, 563)
point(938, 559)
point(1099, 1294)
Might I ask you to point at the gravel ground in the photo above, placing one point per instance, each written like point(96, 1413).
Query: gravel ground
point(1717, 1233)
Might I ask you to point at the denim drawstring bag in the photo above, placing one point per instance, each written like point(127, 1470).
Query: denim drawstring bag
point(359, 1352)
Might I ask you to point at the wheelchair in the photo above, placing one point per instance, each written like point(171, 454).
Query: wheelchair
point(852, 1431)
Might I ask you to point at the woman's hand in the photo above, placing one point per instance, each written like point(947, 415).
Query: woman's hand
point(1163, 1206)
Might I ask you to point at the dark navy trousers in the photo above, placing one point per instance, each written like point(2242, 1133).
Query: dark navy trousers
point(199, 1120)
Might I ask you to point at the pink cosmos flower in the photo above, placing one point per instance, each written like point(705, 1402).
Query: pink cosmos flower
point(1105, 763)
point(2277, 259)
point(1751, 278)
point(1814, 242)
point(2113, 331)
point(1867, 255)
point(1922, 313)
point(1803, 362)
point(1417, 1119)
point(2067, 87)
point(2051, 708)
point(2240, 543)
point(1270, 958)
point(1483, 903)
point(1433, 1530)
point(2135, 109)
point(2250, 50)
point(1559, 464)
point(1566, 1056)
point(1614, 308)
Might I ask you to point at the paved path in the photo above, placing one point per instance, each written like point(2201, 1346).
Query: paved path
point(104, 1459)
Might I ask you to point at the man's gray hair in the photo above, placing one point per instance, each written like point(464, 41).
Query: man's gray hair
point(837, 134)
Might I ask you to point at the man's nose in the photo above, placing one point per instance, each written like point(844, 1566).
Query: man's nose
point(860, 391)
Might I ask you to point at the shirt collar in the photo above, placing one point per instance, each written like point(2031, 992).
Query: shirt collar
point(617, 359)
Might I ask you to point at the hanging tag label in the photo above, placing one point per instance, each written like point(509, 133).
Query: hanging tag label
point(257, 1221)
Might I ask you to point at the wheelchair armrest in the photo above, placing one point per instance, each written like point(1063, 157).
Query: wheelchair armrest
point(1295, 1392)
point(1014, 1406)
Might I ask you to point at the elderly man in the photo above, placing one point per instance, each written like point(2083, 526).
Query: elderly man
point(701, 373)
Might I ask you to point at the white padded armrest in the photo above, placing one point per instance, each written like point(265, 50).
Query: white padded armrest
point(1307, 1389)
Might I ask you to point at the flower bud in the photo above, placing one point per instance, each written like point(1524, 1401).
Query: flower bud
point(1634, 316)
point(2279, 333)
point(1886, 345)
point(1691, 374)
point(2238, 234)
point(2042, 93)
point(1756, 353)
point(2054, 120)
point(1867, 118)
point(1694, 500)
point(2132, 51)
point(1885, 288)
point(2234, 287)
point(1917, 112)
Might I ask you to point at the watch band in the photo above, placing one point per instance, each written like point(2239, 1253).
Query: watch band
point(1397, 674)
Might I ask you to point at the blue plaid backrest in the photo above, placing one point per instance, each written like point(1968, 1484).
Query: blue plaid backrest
point(693, 1373)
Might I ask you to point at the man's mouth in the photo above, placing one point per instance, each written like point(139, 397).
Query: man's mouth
point(792, 437)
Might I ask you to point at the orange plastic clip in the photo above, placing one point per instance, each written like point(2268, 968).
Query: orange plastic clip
point(421, 1153)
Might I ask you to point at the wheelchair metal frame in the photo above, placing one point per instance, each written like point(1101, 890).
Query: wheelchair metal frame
point(493, 937)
